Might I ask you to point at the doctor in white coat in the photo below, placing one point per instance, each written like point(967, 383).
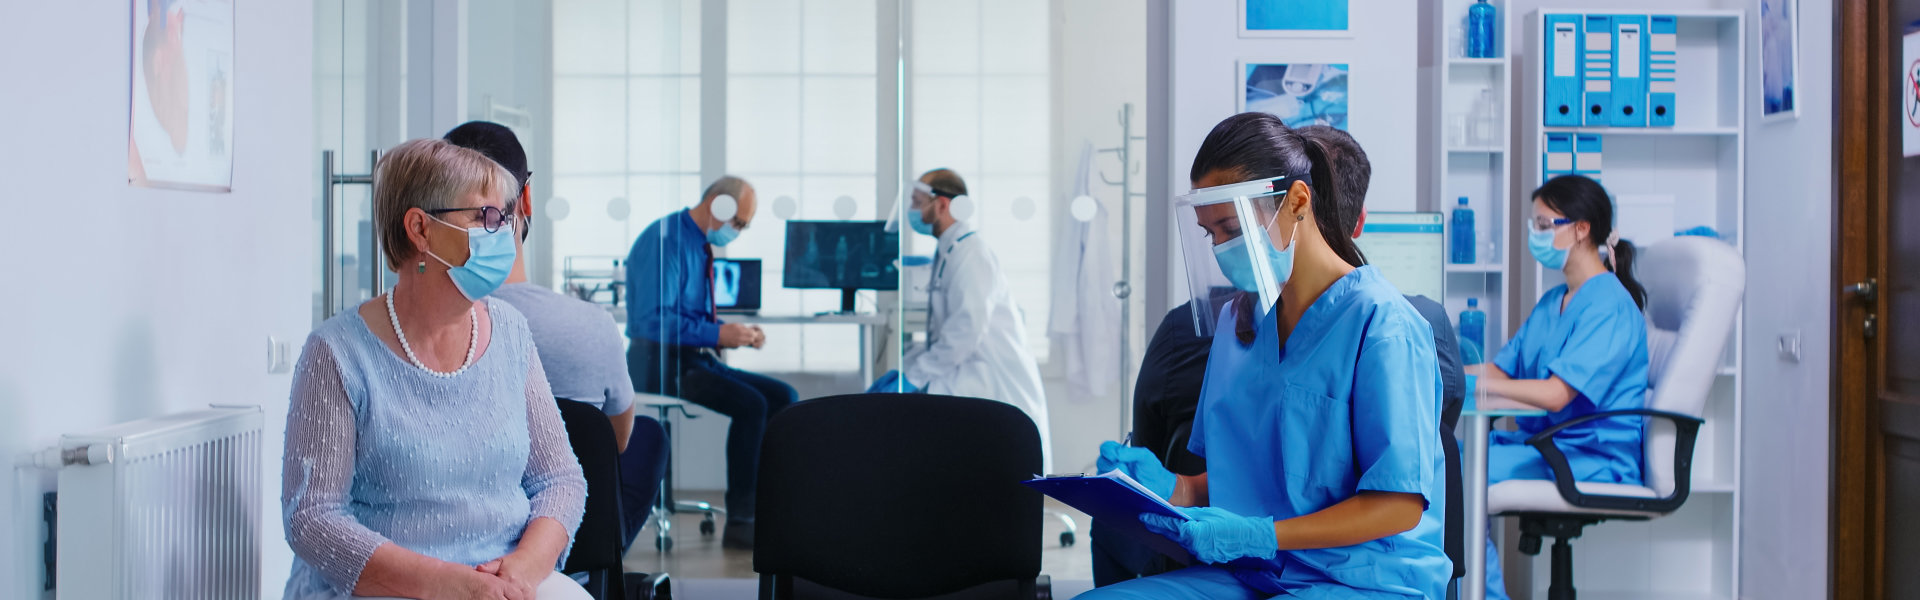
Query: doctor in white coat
point(976, 336)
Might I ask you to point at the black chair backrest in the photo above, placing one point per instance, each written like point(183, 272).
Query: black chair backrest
point(936, 482)
point(596, 545)
point(1446, 345)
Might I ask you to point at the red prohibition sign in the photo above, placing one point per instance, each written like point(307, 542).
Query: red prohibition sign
point(1913, 93)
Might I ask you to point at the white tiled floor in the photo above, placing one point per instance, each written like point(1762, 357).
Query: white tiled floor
point(702, 570)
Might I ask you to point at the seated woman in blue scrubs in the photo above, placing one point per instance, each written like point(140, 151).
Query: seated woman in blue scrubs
point(1582, 351)
point(1318, 418)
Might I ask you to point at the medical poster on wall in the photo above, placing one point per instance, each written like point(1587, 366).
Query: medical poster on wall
point(1910, 95)
point(180, 134)
point(1301, 94)
point(1294, 18)
point(1779, 57)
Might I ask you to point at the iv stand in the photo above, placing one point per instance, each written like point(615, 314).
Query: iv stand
point(1123, 289)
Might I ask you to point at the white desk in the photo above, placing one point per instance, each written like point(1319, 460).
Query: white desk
point(1474, 498)
point(866, 321)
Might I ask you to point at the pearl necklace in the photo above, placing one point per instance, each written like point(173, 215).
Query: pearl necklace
point(472, 341)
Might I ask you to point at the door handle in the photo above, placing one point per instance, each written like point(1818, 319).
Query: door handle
point(329, 277)
point(1866, 290)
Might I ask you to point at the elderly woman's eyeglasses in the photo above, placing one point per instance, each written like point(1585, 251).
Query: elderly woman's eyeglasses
point(491, 218)
point(1547, 223)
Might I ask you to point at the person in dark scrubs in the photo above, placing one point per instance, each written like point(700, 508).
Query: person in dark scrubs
point(1165, 396)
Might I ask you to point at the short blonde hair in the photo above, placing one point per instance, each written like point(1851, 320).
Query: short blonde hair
point(428, 174)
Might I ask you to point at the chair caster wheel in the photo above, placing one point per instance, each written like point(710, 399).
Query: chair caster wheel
point(1530, 544)
point(706, 527)
point(663, 544)
point(1066, 539)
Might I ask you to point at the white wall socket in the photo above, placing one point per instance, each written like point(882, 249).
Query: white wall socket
point(279, 355)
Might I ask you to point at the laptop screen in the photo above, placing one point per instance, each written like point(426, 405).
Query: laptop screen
point(736, 284)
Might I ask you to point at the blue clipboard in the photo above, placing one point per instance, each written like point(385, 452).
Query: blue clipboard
point(1117, 501)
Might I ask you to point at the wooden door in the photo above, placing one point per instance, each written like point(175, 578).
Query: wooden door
point(1876, 499)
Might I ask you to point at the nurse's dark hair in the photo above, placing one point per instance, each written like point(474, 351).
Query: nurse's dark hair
point(1254, 145)
point(1582, 200)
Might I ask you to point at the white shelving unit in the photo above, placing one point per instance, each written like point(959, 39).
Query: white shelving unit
point(1701, 162)
point(1479, 169)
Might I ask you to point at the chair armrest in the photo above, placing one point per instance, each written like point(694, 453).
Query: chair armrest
point(1688, 429)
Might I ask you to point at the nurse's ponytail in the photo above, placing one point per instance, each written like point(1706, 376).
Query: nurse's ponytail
point(1582, 200)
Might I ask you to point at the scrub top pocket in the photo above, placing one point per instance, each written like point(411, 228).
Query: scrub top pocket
point(1315, 447)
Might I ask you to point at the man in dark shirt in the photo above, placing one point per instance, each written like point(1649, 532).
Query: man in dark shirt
point(1165, 396)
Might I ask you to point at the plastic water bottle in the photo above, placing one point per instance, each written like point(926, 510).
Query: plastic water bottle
point(1473, 333)
point(1463, 238)
point(1480, 30)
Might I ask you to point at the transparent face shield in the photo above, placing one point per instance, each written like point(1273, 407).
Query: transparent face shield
point(1223, 239)
point(913, 196)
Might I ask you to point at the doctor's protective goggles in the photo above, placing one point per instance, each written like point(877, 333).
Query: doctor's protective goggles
point(1225, 248)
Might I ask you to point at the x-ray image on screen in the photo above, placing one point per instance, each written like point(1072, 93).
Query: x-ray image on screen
point(726, 283)
point(842, 255)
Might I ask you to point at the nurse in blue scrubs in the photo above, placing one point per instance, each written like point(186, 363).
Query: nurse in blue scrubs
point(1582, 351)
point(1318, 416)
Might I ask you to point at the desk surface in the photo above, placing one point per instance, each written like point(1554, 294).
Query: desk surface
point(828, 319)
point(1503, 412)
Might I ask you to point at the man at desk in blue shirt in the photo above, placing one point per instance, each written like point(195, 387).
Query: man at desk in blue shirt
point(676, 337)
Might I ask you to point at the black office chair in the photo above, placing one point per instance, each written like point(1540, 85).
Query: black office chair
point(1453, 393)
point(596, 545)
point(943, 512)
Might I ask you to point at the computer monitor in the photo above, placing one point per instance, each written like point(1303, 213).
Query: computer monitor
point(1409, 248)
point(736, 285)
point(841, 255)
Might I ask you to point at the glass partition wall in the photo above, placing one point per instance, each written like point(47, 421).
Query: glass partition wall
point(829, 110)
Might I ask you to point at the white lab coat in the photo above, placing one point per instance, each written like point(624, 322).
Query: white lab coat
point(1085, 317)
point(976, 336)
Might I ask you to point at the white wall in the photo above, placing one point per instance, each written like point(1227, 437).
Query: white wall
point(124, 303)
point(1790, 288)
point(1099, 64)
point(1384, 84)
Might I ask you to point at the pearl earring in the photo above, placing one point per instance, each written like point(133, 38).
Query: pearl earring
point(422, 268)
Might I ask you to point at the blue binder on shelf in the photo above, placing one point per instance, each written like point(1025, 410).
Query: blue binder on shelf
point(1629, 71)
point(1557, 160)
point(1597, 57)
point(1663, 63)
point(1116, 500)
point(1563, 99)
point(1586, 155)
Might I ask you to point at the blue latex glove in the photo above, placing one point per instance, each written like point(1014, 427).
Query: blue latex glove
point(893, 382)
point(887, 383)
point(1217, 536)
point(1138, 463)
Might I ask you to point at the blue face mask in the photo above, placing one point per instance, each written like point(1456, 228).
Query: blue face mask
point(1540, 243)
point(1236, 264)
point(489, 260)
point(918, 224)
point(1282, 260)
point(724, 235)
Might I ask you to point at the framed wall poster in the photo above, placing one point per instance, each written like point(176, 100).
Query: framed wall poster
point(180, 126)
point(1294, 18)
point(1779, 58)
point(1301, 94)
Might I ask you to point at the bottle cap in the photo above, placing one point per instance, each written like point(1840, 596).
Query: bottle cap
point(1473, 302)
point(1463, 200)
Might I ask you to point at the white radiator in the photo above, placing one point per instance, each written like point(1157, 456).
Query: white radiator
point(162, 508)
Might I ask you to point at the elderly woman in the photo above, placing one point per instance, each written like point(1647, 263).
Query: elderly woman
point(425, 455)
